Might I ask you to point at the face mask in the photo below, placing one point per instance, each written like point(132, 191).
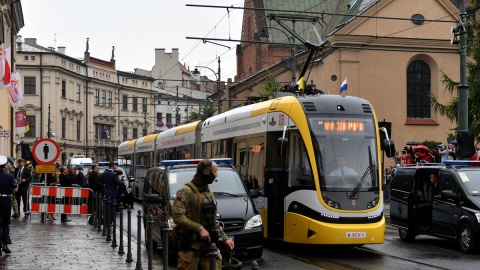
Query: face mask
point(210, 178)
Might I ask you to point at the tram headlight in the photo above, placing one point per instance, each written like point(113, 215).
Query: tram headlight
point(255, 221)
point(373, 203)
point(331, 203)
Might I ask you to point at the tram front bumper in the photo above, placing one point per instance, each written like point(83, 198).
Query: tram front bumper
point(300, 229)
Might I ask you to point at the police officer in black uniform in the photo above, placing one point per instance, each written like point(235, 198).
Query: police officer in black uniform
point(8, 186)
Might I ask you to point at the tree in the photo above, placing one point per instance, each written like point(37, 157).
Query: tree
point(204, 113)
point(271, 85)
point(450, 110)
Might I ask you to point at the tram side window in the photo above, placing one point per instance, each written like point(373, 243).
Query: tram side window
point(299, 170)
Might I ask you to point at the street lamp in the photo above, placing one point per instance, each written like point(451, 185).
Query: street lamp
point(217, 75)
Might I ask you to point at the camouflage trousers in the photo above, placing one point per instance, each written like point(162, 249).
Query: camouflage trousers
point(187, 260)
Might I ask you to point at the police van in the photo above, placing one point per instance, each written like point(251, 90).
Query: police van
point(236, 211)
point(449, 208)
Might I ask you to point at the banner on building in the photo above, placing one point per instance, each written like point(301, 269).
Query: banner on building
point(15, 90)
point(5, 70)
point(21, 122)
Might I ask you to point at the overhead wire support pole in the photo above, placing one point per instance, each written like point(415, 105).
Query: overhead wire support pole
point(463, 86)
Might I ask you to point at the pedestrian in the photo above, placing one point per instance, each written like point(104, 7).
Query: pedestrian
point(96, 186)
point(24, 178)
point(67, 178)
point(397, 158)
point(52, 181)
point(32, 171)
point(8, 186)
point(194, 213)
point(80, 179)
point(111, 185)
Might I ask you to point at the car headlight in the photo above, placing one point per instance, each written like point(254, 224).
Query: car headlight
point(255, 221)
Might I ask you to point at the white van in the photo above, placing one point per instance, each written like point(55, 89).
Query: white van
point(77, 160)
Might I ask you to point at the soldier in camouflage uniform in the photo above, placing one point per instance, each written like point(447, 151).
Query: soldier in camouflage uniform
point(194, 212)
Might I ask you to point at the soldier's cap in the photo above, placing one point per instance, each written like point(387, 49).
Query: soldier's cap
point(3, 161)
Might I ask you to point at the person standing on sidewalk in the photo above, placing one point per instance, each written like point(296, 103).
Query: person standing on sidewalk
point(66, 180)
point(111, 184)
point(24, 178)
point(8, 186)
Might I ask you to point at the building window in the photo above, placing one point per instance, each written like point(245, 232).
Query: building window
point(134, 133)
point(144, 105)
point(97, 97)
point(64, 128)
point(124, 102)
point(125, 133)
point(418, 90)
point(169, 117)
point(78, 130)
point(64, 88)
point(159, 117)
point(135, 105)
point(32, 57)
point(104, 97)
point(110, 104)
point(32, 125)
point(79, 92)
point(30, 85)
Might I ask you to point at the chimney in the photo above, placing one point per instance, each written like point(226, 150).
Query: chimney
point(19, 43)
point(61, 49)
point(175, 54)
point(31, 41)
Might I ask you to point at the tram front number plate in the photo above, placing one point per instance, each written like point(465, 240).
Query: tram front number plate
point(356, 235)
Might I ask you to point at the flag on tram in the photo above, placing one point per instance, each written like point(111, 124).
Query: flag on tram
point(344, 85)
point(21, 122)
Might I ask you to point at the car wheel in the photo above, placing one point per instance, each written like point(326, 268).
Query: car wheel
point(406, 235)
point(466, 239)
point(255, 253)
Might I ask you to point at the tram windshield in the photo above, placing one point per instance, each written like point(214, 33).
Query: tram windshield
point(347, 153)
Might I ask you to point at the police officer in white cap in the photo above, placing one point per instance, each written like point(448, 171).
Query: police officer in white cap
point(8, 186)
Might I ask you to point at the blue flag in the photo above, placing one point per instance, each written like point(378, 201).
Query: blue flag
point(344, 85)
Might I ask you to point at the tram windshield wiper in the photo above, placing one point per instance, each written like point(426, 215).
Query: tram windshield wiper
point(369, 170)
point(361, 182)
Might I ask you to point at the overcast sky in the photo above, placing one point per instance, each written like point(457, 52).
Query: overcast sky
point(136, 28)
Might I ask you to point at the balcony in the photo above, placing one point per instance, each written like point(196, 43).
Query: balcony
point(107, 143)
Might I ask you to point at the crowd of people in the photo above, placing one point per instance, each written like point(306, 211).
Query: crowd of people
point(423, 154)
point(16, 180)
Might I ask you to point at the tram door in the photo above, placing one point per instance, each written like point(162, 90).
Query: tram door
point(274, 186)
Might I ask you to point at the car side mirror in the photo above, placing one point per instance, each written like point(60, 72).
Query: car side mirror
point(153, 198)
point(449, 194)
point(254, 193)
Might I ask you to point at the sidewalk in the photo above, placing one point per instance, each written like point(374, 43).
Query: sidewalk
point(71, 245)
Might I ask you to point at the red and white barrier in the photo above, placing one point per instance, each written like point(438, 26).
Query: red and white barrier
point(61, 200)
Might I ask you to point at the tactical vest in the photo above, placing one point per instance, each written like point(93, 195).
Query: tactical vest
point(202, 206)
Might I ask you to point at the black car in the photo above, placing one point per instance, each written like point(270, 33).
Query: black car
point(453, 212)
point(237, 214)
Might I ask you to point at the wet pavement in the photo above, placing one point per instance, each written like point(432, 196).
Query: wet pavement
point(69, 245)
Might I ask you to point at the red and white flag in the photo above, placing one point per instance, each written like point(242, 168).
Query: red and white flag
point(5, 69)
point(21, 122)
point(15, 90)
